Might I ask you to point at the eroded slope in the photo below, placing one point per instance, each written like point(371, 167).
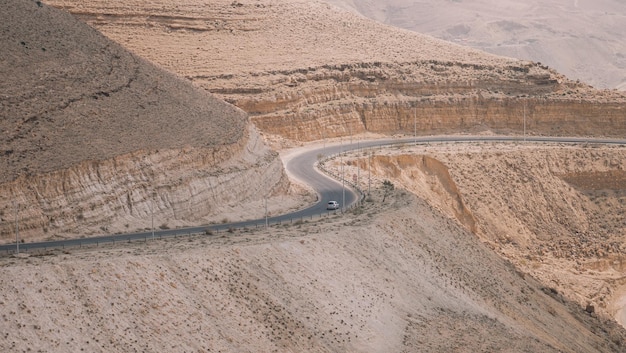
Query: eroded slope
point(399, 277)
point(556, 211)
point(307, 71)
point(95, 139)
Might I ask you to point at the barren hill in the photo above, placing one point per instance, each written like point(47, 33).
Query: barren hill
point(419, 272)
point(398, 278)
point(306, 70)
point(95, 138)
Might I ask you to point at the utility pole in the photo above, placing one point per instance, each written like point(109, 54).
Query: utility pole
point(343, 187)
point(415, 125)
point(343, 190)
point(152, 216)
point(358, 174)
point(266, 225)
point(524, 121)
point(17, 229)
point(369, 175)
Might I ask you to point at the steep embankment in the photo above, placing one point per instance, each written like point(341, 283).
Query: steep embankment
point(401, 277)
point(307, 71)
point(556, 212)
point(94, 138)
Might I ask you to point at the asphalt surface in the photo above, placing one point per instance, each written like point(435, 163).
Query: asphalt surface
point(302, 167)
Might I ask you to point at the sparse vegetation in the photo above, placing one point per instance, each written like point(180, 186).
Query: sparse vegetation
point(388, 187)
point(280, 289)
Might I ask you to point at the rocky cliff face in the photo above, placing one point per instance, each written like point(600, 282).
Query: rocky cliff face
point(555, 211)
point(122, 194)
point(426, 98)
point(96, 140)
point(305, 70)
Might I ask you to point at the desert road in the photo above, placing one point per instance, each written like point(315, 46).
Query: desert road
point(301, 165)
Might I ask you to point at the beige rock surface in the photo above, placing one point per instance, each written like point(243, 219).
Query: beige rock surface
point(416, 273)
point(305, 70)
point(399, 276)
point(555, 211)
point(95, 140)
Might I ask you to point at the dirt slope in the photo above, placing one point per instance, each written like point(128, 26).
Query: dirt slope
point(402, 277)
point(69, 94)
point(410, 275)
point(555, 211)
point(96, 140)
point(305, 70)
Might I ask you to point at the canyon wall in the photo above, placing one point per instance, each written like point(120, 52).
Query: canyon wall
point(555, 211)
point(121, 194)
point(423, 98)
point(305, 70)
point(95, 140)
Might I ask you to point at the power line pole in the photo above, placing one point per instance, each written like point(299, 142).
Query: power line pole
point(415, 126)
point(17, 229)
point(369, 175)
point(152, 216)
point(524, 121)
point(343, 188)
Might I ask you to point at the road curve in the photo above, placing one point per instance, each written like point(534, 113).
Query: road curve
point(300, 165)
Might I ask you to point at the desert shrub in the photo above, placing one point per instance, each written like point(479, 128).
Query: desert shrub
point(388, 188)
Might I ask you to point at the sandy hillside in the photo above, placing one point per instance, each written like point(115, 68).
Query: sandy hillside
point(399, 276)
point(581, 39)
point(434, 268)
point(70, 94)
point(555, 211)
point(306, 70)
point(95, 140)
point(225, 37)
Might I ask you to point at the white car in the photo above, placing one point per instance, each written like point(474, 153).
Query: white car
point(332, 205)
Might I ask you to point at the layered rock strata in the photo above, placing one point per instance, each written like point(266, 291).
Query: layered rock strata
point(97, 140)
point(307, 71)
point(555, 211)
point(428, 98)
point(173, 186)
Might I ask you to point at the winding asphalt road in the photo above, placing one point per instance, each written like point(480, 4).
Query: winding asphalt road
point(300, 165)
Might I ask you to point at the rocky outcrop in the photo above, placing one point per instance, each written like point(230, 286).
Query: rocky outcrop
point(123, 194)
point(306, 71)
point(445, 97)
point(423, 175)
point(96, 140)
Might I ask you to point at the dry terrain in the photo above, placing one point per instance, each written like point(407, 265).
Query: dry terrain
point(477, 248)
point(94, 139)
point(555, 211)
point(582, 39)
point(397, 276)
point(305, 70)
